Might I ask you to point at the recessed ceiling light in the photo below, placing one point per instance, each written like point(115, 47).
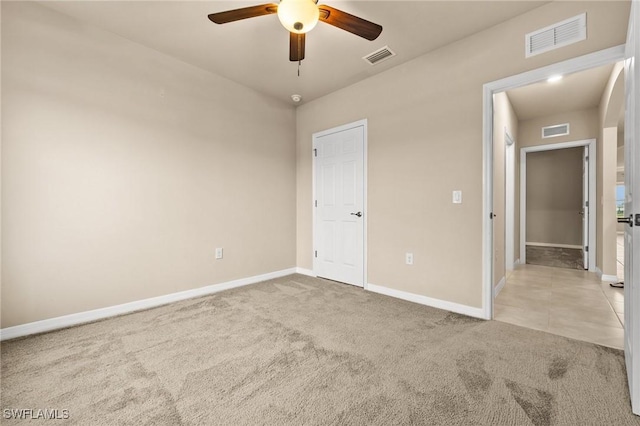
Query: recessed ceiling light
point(554, 79)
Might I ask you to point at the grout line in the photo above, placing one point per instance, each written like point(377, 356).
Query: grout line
point(611, 306)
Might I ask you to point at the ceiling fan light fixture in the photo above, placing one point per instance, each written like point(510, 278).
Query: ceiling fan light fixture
point(298, 16)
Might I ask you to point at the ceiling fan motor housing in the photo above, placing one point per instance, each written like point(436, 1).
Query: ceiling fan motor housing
point(298, 16)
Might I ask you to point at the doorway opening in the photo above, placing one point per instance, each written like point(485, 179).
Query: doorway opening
point(505, 195)
point(558, 218)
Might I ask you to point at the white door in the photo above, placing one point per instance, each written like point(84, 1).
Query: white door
point(585, 208)
point(632, 209)
point(339, 205)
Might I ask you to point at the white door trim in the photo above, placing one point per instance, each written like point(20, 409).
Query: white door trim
point(360, 123)
point(581, 63)
point(591, 143)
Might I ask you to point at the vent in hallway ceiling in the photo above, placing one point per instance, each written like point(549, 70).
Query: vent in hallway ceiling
point(557, 130)
point(379, 55)
point(563, 33)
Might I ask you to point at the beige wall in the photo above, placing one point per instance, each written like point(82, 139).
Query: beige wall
point(123, 169)
point(607, 226)
point(606, 196)
point(504, 120)
point(620, 157)
point(583, 125)
point(425, 140)
point(554, 197)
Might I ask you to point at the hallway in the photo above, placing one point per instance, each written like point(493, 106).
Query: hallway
point(566, 302)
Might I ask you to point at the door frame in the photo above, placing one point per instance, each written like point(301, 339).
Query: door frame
point(360, 123)
point(591, 143)
point(581, 63)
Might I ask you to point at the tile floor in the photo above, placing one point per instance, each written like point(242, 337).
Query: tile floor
point(570, 303)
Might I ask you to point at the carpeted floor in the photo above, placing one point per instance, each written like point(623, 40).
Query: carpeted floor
point(300, 350)
point(556, 257)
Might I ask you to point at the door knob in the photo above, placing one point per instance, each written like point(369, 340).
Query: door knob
point(628, 220)
point(359, 214)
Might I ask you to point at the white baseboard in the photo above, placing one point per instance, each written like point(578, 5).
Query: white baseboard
point(604, 277)
point(499, 287)
point(305, 271)
point(125, 308)
point(571, 246)
point(428, 301)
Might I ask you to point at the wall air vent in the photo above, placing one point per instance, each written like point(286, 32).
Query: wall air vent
point(563, 33)
point(557, 130)
point(379, 55)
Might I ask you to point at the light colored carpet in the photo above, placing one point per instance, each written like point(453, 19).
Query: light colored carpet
point(300, 350)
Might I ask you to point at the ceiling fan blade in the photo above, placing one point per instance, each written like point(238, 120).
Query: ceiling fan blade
point(243, 13)
point(346, 21)
point(296, 47)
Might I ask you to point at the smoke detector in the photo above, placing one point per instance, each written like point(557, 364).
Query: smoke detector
point(296, 98)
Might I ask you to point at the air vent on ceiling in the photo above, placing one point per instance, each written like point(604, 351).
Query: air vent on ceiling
point(379, 55)
point(563, 33)
point(557, 130)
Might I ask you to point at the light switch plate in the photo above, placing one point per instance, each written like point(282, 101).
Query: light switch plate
point(457, 197)
point(219, 253)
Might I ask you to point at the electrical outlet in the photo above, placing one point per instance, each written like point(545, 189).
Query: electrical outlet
point(409, 258)
point(219, 253)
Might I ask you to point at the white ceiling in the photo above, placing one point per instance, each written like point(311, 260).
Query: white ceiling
point(574, 92)
point(255, 52)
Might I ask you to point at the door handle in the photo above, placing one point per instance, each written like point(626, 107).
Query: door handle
point(628, 220)
point(359, 214)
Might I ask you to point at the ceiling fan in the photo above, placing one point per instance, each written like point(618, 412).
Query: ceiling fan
point(299, 17)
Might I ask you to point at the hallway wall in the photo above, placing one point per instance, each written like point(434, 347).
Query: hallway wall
point(504, 120)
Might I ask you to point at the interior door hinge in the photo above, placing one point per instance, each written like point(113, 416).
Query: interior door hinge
point(586, 204)
point(316, 203)
point(586, 158)
point(316, 253)
point(315, 152)
point(586, 248)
